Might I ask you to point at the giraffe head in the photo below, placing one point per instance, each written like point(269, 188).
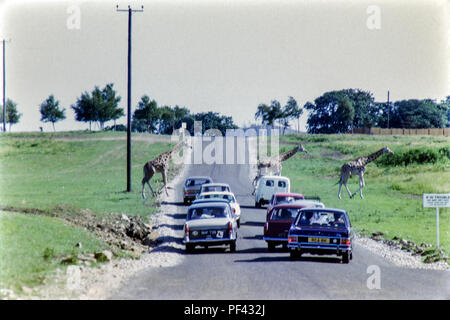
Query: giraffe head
point(387, 150)
point(300, 148)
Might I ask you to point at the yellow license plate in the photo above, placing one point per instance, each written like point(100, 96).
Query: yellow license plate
point(320, 240)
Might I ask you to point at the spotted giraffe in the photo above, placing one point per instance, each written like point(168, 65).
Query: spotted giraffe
point(160, 164)
point(274, 165)
point(358, 167)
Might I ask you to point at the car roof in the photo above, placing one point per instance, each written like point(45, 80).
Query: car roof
point(209, 200)
point(209, 204)
point(198, 177)
point(288, 194)
point(326, 210)
point(218, 192)
point(297, 205)
point(275, 177)
point(216, 184)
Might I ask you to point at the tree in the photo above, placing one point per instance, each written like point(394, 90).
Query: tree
point(291, 111)
point(145, 117)
point(99, 106)
point(50, 111)
point(12, 115)
point(269, 114)
point(417, 114)
point(331, 112)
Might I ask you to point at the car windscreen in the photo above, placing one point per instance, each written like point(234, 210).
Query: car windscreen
point(322, 218)
point(196, 182)
point(284, 214)
point(206, 213)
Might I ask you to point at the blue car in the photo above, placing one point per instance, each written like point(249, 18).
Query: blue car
point(321, 231)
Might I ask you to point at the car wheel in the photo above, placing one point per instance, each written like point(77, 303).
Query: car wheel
point(258, 204)
point(271, 246)
point(233, 246)
point(189, 248)
point(238, 223)
point(346, 257)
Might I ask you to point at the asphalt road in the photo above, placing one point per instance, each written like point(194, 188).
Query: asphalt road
point(254, 273)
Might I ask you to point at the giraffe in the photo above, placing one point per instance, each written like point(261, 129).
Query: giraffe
point(358, 167)
point(160, 164)
point(265, 167)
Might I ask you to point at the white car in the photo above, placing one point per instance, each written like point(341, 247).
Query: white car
point(227, 196)
point(215, 187)
point(268, 186)
point(309, 203)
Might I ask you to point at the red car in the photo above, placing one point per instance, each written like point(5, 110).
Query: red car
point(280, 219)
point(280, 198)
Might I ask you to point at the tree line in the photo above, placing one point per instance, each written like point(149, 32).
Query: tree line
point(341, 111)
point(102, 105)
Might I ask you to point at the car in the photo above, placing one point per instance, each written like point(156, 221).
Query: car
point(321, 231)
point(192, 187)
point(279, 198)
point(210, 224)
point(268, 186)
point(213, 187)
point(224, 195)
point(305, 203)
point(277, 224)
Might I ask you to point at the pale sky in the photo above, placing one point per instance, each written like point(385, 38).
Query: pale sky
point(224, 56)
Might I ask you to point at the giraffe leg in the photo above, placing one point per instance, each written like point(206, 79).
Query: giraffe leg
point(361, 184)
point(149, 174)
point(164, 176)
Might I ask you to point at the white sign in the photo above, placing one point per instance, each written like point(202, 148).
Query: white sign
point(435, 200)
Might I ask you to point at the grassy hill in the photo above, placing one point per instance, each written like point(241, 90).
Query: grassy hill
point(53, 173)
point(392, 201)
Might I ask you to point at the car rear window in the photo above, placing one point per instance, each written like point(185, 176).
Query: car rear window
point(322, 218)
point(282, 184)
point(269, 183)
point(206, 213)
point(284, 214)
point(215, 188)
point(287, 199)
point(196, 182)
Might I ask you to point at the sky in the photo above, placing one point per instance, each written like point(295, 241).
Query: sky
point(222, 56)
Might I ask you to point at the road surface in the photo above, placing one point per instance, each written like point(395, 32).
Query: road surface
point(254, 273)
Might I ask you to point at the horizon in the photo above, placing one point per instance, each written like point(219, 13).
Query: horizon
point(221, 56)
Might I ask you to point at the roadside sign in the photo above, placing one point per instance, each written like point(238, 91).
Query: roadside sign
point(436, 200)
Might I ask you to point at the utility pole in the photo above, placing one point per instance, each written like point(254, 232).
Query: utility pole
point(130, 11)
point(4, 85)
point(389, 109)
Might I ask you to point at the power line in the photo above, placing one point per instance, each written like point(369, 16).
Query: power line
point(130, 11)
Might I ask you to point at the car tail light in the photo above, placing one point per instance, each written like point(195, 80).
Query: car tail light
point(345, 241)
point(292, 239)
point(234, 210)
point(186, 230)
point(230, 229)
point(266, 227)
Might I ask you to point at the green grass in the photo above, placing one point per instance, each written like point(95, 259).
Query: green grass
point(86, 174)
point(65, 172)
point(31, 244)
point(392, 200)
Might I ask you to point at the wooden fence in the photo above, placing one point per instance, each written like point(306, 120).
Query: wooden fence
point(396, 131)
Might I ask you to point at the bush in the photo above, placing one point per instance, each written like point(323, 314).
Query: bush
point(415, 156)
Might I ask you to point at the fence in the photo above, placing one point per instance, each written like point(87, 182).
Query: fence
point(396, 131)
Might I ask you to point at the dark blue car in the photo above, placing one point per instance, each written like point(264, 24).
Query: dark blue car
point(321, 231)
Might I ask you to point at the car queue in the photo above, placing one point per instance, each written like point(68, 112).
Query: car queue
point(299, 225)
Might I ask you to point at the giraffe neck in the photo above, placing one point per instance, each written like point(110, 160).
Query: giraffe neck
point(373, 156)
point(287, 155)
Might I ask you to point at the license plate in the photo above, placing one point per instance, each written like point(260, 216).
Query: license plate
point(320, 240)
